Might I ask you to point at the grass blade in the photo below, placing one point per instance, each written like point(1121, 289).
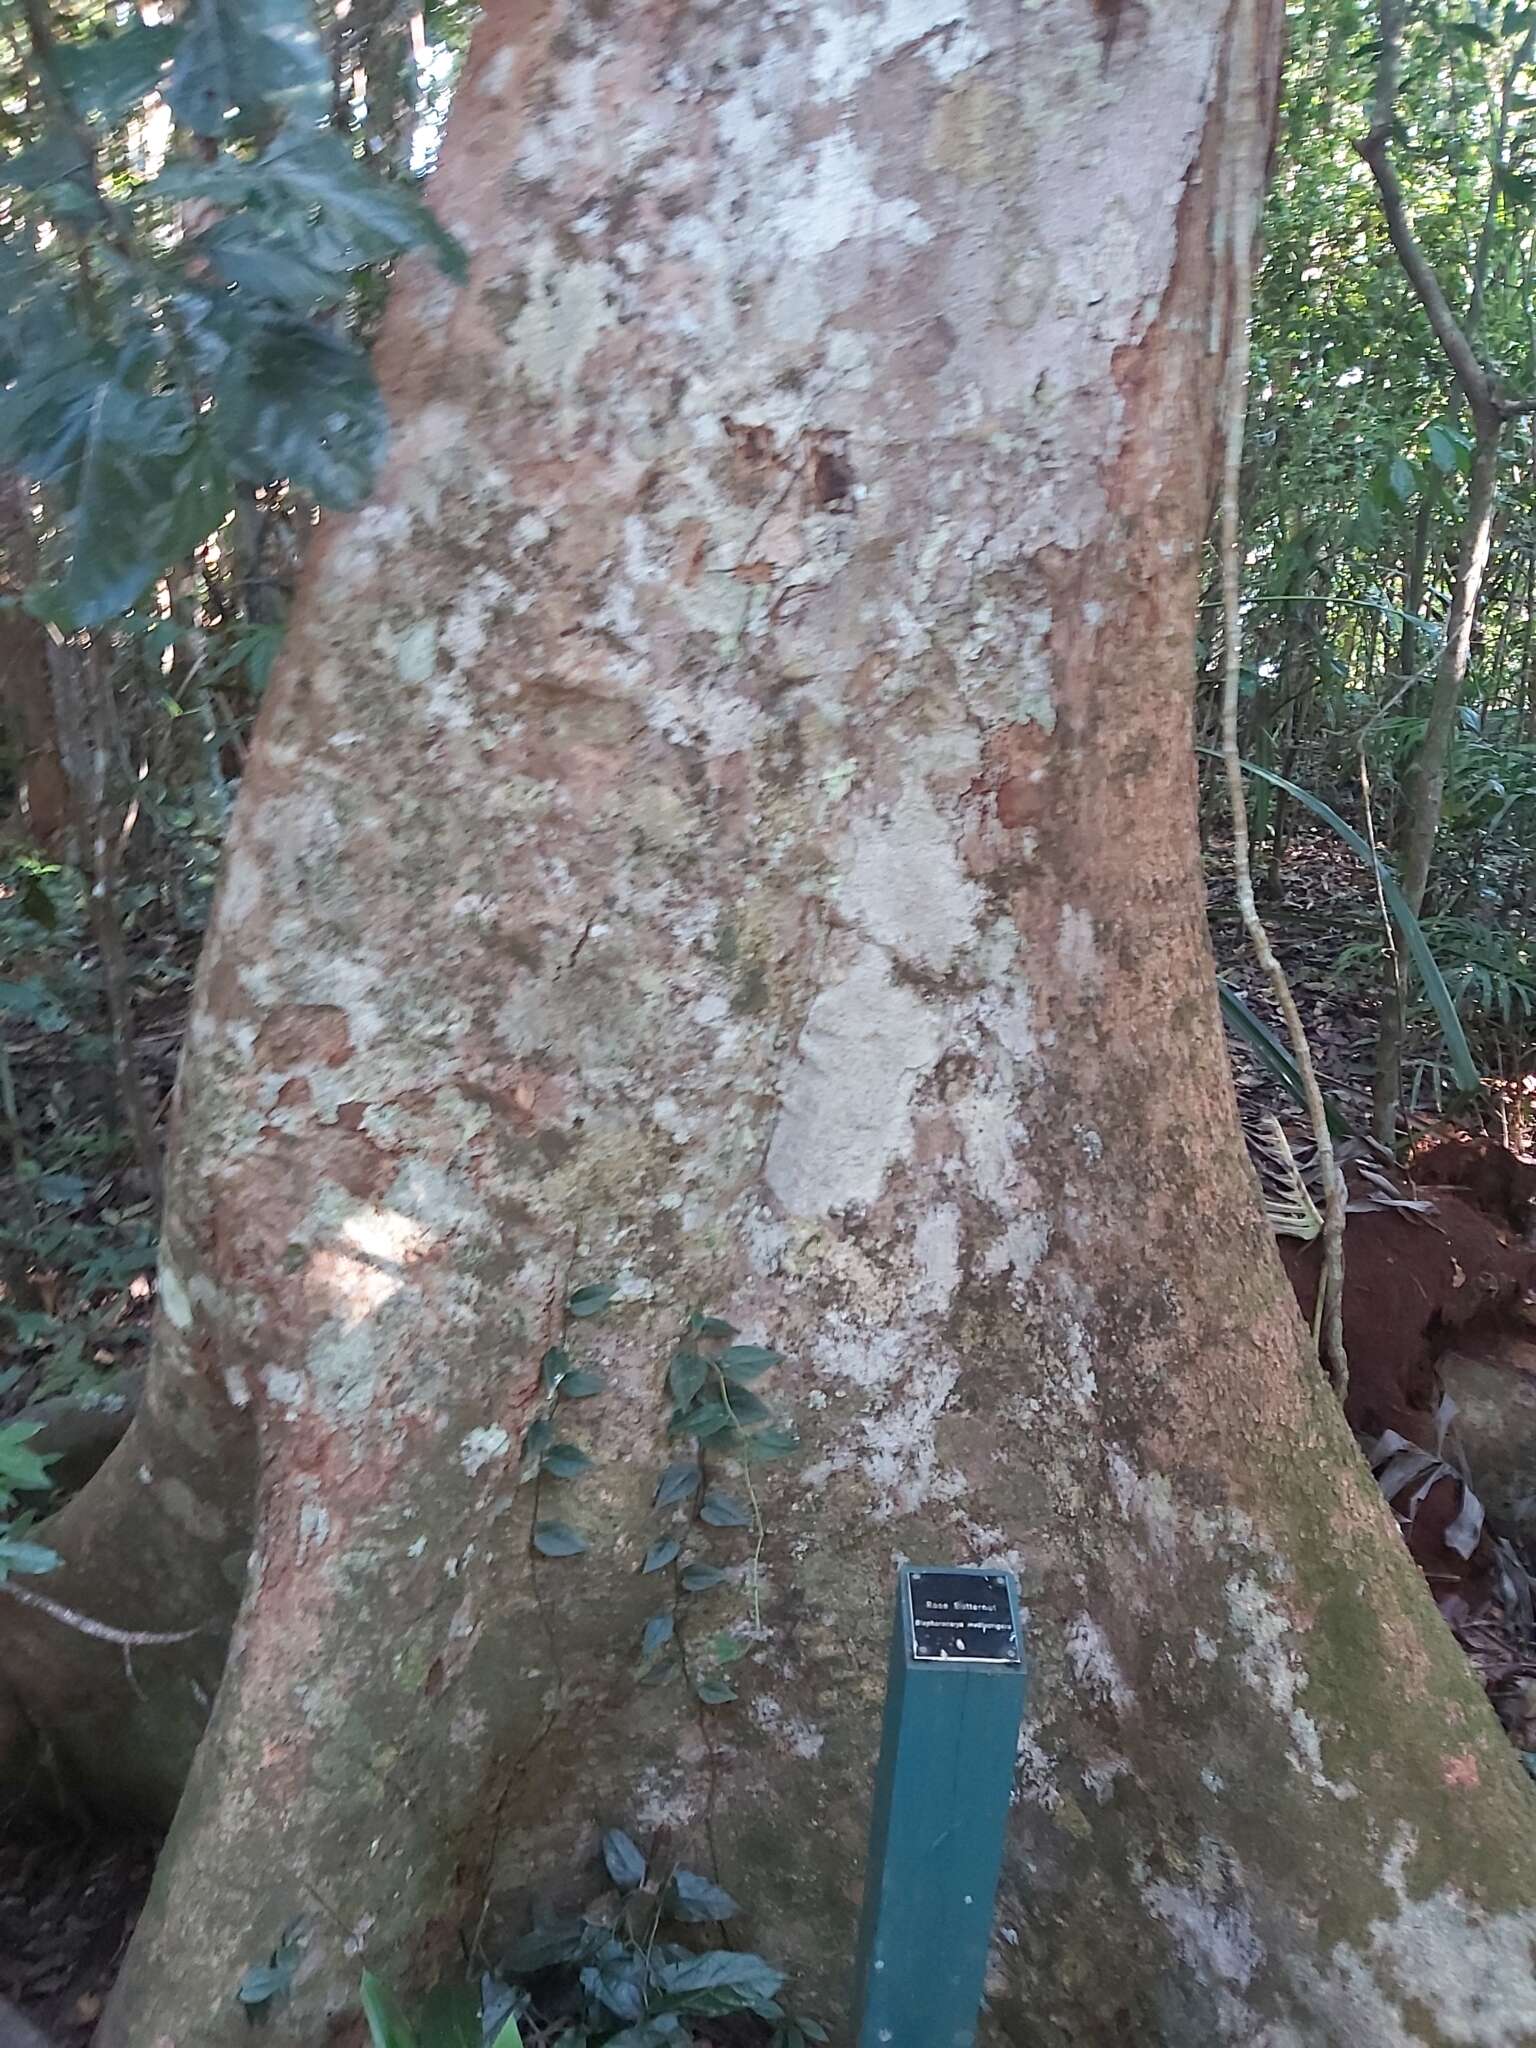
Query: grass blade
point(1274, 1056)
point(1462, 1063)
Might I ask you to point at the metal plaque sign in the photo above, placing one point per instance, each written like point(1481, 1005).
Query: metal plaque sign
point(961, 1617)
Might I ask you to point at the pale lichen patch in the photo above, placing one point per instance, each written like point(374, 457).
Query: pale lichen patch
point(845, 1114)
point(1094, 1665)
point(481, 1446)
point(1215, 1939)
point(1470, 1972)
point(905, 887)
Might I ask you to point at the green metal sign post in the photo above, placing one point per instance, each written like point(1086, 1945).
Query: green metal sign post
point(952, 1711)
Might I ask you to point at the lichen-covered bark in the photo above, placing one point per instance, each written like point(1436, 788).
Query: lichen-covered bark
point(724, 826)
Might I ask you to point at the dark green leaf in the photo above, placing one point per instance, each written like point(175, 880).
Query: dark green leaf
point(724, 1511)
point(775, 1442)
point(678, 1482)
point(685, 1376)
point(264, 267)
point(561, 1941)
point(691, 1897)
point(556, 1364)
point(1402, 479)
point(137, 480)
point(557, 1539)
point(714, 1691)
point(813, 2030)
point(625, 1864)
point(661, 1554)
point(658, 1632)
point(565, 1461)
point(721, 1981)
point(703, 1420)
point(34, 901)
point(350, 214)
point(711, 1326)
point(33, 1002)
point(295, 401)
point(58, 158)
point(743, 1363)
point(1448, 449)
point(241, 61)
point(727, 1649)
point(540, 1435)
point(581, 1386)
point(699, 1578)
point(744, 1407)
point(22, 1470)
point(662, 2031)
point(617, 1984)
point(591, 1300)
point(106, 75)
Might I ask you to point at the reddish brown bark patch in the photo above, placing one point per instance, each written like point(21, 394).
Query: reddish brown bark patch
point(304, 1035)
point(1015, 764)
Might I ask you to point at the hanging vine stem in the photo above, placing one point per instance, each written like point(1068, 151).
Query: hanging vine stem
point(1241, 212)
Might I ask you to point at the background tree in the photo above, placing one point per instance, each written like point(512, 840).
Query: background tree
point(1361, 464)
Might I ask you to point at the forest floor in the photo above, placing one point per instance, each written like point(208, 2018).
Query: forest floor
point(77, 1242)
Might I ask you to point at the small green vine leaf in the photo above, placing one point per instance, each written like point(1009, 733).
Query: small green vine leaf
point(566, 1461)
point(678, 1482)
point(742, 1363)
point(263, 1982)
point(703, 1420)
point(714, 1691)
point(686, 1376)
point(557, 1539)
point(776, 1442)
point(744, 1408)
point(580, 1386)
point(698, 1578)
point(693, 1898)
point(724, 1511)
point(661, 1554)
point(710, 1326)
point(591, 1300)
point(657, 1634)
point(728, 1649)
point(536, 1442)
point(625, 1864)
point(554, 1367)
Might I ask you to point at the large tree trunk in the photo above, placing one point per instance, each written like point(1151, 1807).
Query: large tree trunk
point(725, 827)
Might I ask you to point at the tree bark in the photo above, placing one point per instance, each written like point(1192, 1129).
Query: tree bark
point(724, 827)
point(1424, 798)
point(42, 791)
